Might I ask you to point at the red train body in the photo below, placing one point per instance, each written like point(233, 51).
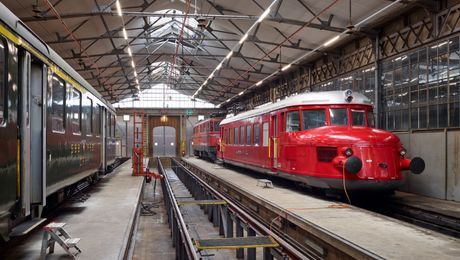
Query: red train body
point(205, 139)
point(322, 139)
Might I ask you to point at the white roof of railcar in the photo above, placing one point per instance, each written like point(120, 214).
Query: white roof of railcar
point(309, 98)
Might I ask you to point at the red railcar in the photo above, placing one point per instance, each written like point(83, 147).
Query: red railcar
point(205, 139)
point(322, 139)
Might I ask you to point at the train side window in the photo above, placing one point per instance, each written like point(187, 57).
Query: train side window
point(88, 108)
point(3, 85)
point(216, 126)
point(97, 120)
point(338, 116)
point(293, 121)
point(242, 135)
point(248, 135)
point(109, 123)
point(232, 134)
point(57, 104)
point(236, 135)
point(358, 118)
point(256, 135)
point(75, 110)
point(265, 134)
point(313, 118)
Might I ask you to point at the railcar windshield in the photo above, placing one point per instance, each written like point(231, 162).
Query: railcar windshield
point(370, 119)
point(338, 116)
point(358, 117)
point(313, 118)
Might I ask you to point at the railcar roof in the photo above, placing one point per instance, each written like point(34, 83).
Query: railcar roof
point(12, 21)
point(310, 98)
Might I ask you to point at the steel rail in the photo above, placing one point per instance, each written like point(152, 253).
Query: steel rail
point(176, 221)
point(288, 248)
point(302, 234)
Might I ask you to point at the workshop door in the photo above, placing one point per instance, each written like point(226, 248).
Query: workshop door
point(164, 141)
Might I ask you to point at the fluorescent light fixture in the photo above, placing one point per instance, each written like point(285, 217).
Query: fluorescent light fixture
point(139, 88)
point(228, 100)
point(219, 66)
point(263, 15)
point(205, 82)
point(245, 36)
point(125, 34)
point(218, 106)
point(286, 67)
point(135, 74)
point(137, 81)
point(229, 55)
point(118, 7)
point(259, 83)
point(129, 52)
point(241, 93)
point(210, 76)
point(132, 64)
point(331, 41)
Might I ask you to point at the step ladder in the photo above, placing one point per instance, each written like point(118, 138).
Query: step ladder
point(138, 143)
point(54, 232)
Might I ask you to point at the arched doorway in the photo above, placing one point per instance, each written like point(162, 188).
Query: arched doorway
point(164, 141)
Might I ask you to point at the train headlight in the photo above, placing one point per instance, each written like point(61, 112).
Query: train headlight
point(348, 95)
point(348, 152)
point(403, 152)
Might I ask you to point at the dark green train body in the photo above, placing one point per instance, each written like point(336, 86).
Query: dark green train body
point(55, 129)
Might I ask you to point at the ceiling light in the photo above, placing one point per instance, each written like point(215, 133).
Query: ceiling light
point(331, 41)
point(132, 64)
point(245, 36)
point(286, 67)
point(259, 83)
point(263, 15)
point(205, 82)
point(228, 100)
point(139, 88)
point(137, 81)
point(241, 93)
point(129, 52)
point(229, 55)
point(125, 35)
point(118, 7)
point(210, 76)
point(135, 74)
point(219, 66)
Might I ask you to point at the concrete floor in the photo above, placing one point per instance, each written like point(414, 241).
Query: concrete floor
point(103, 222)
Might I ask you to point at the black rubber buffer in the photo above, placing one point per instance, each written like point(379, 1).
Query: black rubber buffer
point(353, 165)
point(417, 165)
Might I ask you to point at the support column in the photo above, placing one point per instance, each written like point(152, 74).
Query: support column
point(251, 251)
point(377, 88)
point(239, 233)
point(229, 224)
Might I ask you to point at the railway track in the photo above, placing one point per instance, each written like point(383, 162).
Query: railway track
point(297, 238)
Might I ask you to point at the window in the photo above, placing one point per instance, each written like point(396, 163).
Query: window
point(97, 119)
point(108, 124)
point(57, 105)
point(226, 136)
point(242, 135)
point(216, 126)
point(248, 134)
point(358, 118)
point(293, 121)
point(313, 118)
point(75, 110)
point(370, 119)
point(232, 135)
point(265, 134)
point(338, 116)
point(3, 85)
point(256, 134)
point(113, 125)
point(236, 135)
point(89, 116)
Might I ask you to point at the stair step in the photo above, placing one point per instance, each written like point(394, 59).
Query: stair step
point(55, 225)
point(26, 227)
point(72, 241)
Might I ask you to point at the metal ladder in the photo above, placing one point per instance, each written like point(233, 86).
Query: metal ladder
point(54, 232)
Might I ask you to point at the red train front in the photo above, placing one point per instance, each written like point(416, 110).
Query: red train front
point(205, 139)
point(322, 139)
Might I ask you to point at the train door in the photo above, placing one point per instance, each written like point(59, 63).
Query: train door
point(104, 139)
point(164, 141)
point(33, 132)
point(274, 140)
